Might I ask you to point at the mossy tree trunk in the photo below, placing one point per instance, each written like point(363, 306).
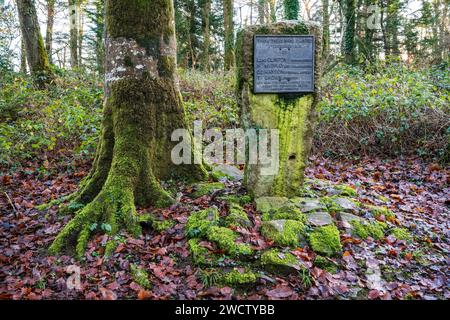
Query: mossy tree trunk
point(142, 108)
point(49, 29)
point(325, 28)
point(348, 48)
point(291, 9)
point(261, 11)
point(34, 44)
point(229, 33)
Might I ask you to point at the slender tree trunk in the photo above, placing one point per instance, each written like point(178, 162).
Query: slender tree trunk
point(49, 30)
point(272, 10)
point(192, 9)
point(206, 10)
point(99, 31)
point(291, 9)
point(229, 33)
point(73, 41)
point(37, 57)
point(142, 109)
point(325, 28)
point(80, 25)
point(349, 31)
point(261, 11)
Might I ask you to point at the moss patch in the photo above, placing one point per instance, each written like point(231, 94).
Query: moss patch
point(365, 230)
point(199, 254)
point(238, 278)
point(199, 222)
point(346, 190)
point(240, 200)
point(325, 240)
point(226, 240)
point(401, 234)
point(279, 262)
point(289, 212)
point(237, 217)
point(203, 189)
point(377, 211)
point(325, 264)
point(140, 276)
point(283, 232)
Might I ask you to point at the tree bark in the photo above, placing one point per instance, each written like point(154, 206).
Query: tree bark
point(291, 8)
point(349, 30)
point(23, 57)
point(229, 33)
point(80, 25)
point(261, 11)
point(49, 29)
point(325, 28)
point(34, 44)
point(206, 10)
point(73, 41)
point(142, 108)
point(272, 10)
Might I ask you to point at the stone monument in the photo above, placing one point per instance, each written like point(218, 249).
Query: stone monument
point(278, 68)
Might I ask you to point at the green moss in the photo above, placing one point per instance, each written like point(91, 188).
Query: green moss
point(237, 217)
point(365, 230)
point(241, 200)
point(199, 254)
point(199, 222)
point(290, 212)
point(225, 240)
point(290, 235)
point(346, 190)
point(236, 278)
point(325, 240)
point(140, 276)
point(325, 264)
point(401, 234)
point(163, 225)
point(331, 206)
point(379, 211)
point(203, 189)
point(275, 257)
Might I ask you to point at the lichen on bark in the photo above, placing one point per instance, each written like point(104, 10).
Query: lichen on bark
point(142, 108)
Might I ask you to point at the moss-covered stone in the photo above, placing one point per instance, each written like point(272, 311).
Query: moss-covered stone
point(237, 199)
point(346, 190)
point(203, 189)
point(401, 234)
point(237, 217)
point(292, 115)
point(199, 222)
point(238, 278)
point(284, 232)
point(140, 276)
point(199, 254)
point(364, 230)
point(226, 240)
point(268, 204)
point(150, 220)
point(276, 261)
point(325, 240)
point(377, 211)
point(325, 264)
point(288, 212)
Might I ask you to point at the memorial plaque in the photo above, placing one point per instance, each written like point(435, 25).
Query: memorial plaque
point(283, 64)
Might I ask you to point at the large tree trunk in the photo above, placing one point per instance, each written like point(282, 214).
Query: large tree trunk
point(142, 108)
point(34, 44)
point(229, 33)
point(206, 10)
point(49, 30)
point(23, 57)
point(73, 41)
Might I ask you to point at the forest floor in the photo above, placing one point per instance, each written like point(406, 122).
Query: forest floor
point(388, 268)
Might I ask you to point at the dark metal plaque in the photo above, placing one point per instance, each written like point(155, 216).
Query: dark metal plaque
point(283, 64)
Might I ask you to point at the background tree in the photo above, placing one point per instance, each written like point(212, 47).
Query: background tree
point(206, 10)
point(348, 45)
point(73, 25)
point(229, 33)
point(142, 108)
point(49, 29)
point(37, 57)
point(325, 28)
point(291, 9)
